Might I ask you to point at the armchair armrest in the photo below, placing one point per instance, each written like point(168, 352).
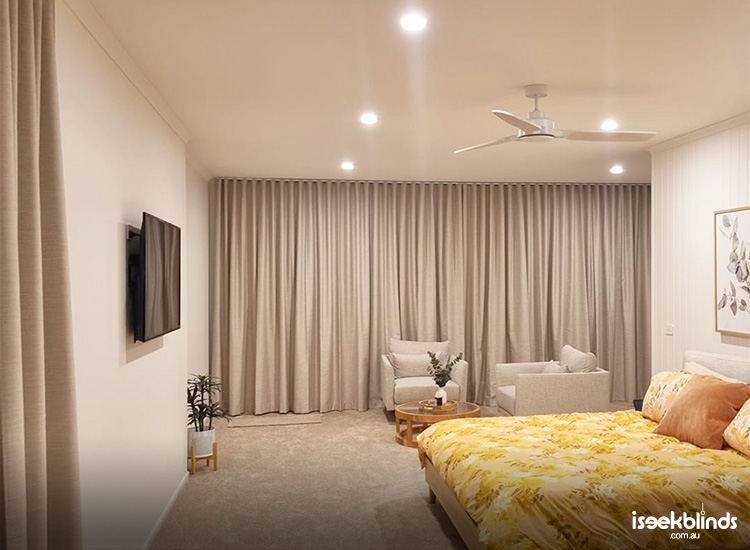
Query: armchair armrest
point(387, 380)
point(554, 393)
point(505, 373)
point(460, 376)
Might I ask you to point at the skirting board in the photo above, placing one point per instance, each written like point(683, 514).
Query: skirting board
point(164, 513)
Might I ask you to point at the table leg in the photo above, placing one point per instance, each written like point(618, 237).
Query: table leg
point(409, 431)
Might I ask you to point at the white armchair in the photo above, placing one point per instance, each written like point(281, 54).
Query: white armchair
point(395, 390)
point(524, 389)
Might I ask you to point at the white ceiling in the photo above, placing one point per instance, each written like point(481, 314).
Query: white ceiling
point(274, 88)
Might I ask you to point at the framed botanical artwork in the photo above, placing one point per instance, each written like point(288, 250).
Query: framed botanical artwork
point(732, 271)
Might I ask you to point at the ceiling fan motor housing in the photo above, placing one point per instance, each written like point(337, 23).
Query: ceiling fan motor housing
point(546, 133)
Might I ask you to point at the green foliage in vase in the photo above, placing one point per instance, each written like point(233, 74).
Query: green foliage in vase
point(202, 409)
point(441, 372)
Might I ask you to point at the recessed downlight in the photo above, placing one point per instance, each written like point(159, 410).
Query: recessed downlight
point(347, 165)
point(369, 118)
point(413, 22)
point(617, 169)
point(609, 125)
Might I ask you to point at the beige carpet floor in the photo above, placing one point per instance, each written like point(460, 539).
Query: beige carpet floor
point(340, 484)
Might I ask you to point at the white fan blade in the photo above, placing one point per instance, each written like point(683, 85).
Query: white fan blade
point(513, 120)
point(602, 135)
point(486, 144)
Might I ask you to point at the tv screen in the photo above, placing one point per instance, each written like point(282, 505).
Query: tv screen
point(156, 298)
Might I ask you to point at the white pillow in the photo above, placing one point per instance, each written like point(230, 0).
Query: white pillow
point(577, 361)
point(697, 368)
point(737, 434)
point(409, 365)
point(553, 367)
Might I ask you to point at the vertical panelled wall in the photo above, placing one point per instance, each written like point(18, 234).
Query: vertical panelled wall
point(690, 180)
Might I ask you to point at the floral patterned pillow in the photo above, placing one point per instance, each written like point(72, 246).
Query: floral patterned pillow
point(737, 434)
point(663, 389)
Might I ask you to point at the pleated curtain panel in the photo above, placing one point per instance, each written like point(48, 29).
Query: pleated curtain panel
point(309, 279)
point(39, 488)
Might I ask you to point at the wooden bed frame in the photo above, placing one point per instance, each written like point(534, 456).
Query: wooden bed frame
point(461, 520)
point(729, 366)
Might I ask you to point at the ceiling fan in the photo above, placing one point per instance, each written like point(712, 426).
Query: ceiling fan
point(538, 128)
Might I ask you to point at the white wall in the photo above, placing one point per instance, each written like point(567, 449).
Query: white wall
point(197, 271)
point(689, 182)
point(120, 159)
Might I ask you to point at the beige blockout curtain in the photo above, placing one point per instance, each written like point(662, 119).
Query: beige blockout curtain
point(310, 279)
point(39, 495)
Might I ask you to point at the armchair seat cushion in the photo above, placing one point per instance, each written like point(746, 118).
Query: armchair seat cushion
point(553, 367)
point(417, 388)
point(506, 398)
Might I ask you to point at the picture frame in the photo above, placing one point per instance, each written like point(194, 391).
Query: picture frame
point(732, 271)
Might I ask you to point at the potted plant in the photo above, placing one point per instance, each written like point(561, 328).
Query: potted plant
point(441, 374)
point(202, 410)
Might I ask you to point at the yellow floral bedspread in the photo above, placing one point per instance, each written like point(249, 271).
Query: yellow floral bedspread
point(574, 481)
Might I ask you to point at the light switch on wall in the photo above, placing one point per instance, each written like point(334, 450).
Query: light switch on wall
point(670, 330)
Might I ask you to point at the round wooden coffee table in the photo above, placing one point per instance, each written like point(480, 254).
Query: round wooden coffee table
point(411, 413)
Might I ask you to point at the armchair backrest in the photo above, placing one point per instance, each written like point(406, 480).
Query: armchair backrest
point(410, 347)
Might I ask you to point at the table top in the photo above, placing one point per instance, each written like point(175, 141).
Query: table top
point(412, 410)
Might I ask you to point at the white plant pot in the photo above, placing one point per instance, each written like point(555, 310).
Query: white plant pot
point(202, 441)
point(441, 396)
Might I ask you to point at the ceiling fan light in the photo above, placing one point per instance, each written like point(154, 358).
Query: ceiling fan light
point(536, 138)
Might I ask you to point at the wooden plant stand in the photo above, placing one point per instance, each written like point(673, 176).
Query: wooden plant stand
point(192, 458)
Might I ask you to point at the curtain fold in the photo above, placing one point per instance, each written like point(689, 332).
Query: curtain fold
point(311, 278)
point(39, 491)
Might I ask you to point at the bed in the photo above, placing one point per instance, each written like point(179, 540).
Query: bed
point(586, 480)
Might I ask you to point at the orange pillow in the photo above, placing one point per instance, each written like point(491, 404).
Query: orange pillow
point(702, 411)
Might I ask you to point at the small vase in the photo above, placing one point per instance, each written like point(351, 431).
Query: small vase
point(441, 398)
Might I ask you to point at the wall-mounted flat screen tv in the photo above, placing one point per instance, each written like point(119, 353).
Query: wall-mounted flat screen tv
point(154, 273)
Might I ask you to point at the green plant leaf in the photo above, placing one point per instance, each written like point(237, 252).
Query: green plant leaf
point(201, 407)
point(441, 372)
